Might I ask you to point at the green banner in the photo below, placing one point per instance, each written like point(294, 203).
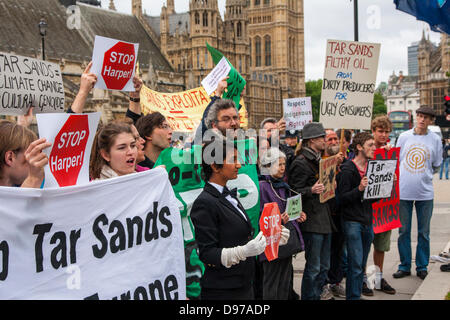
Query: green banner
point(184, 170)
point(236, 82)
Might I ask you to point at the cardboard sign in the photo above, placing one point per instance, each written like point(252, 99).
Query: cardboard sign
point(71, 136)
point(294, 207)
point(327, 176)
point(386, 212)
point(117, 238)
point(270, 225)
point(27, 82)
point(297, 112)
point(114, 62)
point(182, 110)
point(220, 72)
point(349, 84)
point(381, 175)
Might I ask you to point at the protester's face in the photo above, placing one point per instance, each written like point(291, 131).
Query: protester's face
point(122, 155)
point(140, 143)
point(381, 136)
point(19, 167)
point(162, 136)
point(227, 119)
point(332, 143)
point(231, 166)
point(368, 149)
point(292, 142)
point(423, 121)
point(270, 128)
point(278, 168)
point(318, 143)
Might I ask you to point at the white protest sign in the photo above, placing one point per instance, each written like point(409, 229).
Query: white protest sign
point(297, 112)
point(119, 238)
point(381, 175)
point(220, 72)
point(114, 63)
point(26, 82)
point(294, 207)
point(71, 136)
point(349, 84)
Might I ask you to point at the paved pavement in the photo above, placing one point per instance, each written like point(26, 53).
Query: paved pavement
point(437, 283)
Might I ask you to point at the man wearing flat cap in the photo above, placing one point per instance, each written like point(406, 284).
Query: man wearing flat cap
point(420, 156)
point(303, 177)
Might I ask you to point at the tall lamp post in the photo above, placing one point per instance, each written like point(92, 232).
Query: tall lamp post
point(43, 32)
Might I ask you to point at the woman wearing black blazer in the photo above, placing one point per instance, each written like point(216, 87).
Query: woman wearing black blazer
point(223, 230)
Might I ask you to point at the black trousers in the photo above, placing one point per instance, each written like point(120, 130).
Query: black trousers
point(244, 293)
point(336, 274)
point(277, 279)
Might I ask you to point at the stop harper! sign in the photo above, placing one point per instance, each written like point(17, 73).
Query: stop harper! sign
point(114, 62)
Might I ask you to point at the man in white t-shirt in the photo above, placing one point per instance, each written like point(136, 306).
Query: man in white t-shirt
point(420, 156)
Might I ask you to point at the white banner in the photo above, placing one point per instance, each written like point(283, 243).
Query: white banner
point(119, 238)
point(349, 84)
point(26, 82)
point(71, 136)
point(217, 74)
point(381, 175)
point(297, 112)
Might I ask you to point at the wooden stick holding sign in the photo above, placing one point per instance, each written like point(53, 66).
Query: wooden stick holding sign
point(327, 176)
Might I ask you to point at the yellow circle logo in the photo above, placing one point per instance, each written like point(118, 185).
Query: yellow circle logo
point(416, 157)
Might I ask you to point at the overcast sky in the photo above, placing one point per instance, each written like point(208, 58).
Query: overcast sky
point(379, 22)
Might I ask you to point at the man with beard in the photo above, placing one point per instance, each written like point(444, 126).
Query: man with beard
point(317, 229)
point(222, 116)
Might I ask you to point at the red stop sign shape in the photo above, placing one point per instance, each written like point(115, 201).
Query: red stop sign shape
point(118, 65)
point(69, 148)
point(270, 225)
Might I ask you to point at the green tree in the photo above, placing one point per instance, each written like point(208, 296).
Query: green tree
point(314, 90)
point(379, 106)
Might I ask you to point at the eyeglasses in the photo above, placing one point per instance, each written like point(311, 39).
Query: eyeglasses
point(228, 119)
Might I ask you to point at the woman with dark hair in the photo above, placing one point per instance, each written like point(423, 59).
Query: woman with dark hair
point(223, 230)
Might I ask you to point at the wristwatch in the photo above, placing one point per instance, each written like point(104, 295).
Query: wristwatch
point(135, 99)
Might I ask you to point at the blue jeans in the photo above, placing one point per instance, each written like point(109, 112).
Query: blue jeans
point(444, 164)
point(424, 210)
point(358, 238)
point(317, 254)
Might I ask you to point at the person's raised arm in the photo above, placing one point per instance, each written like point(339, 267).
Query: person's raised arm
point(134, 111)
point(26, 119)
point(87, 83)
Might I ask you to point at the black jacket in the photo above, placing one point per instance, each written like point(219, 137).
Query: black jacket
point(218, 224)
point(303, 174)
point(351, 204)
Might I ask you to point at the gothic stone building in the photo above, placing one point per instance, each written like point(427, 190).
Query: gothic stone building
point(263, 39)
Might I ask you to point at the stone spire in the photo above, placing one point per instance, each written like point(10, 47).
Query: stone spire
point(111, 5)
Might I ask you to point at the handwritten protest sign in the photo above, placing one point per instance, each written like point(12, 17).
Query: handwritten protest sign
point(71, 136)
point(220, 72)
point(386, 212)
point(270, 224)
point(297, 112)
point(123, 243)
point(349, 84)
point(294, 207)
point(26, 82)
point(327, 176)
point(182, 110)
point(380, 174)
point(114, 61)
point(236, 83)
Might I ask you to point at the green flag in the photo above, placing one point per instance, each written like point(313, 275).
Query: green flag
point(236, 82)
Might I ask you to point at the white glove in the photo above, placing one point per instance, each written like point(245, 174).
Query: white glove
point(285, 233)
point(232, 256)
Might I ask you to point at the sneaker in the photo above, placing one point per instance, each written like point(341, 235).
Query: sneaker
point(386, 288)
point(326, 294)
point(366, 290)
point(422, 274)
point(337, 290)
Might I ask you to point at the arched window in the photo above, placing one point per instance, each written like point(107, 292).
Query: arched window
point(257, 2)
point(205, 19)
point(239, 29)
point(197, 18)
point(258, 52)
point(268, 50)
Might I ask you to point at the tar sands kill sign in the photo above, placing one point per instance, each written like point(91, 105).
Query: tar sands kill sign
point(118, 238)
point(381, 175)
point(26, 82)
point(114, 62)
point(71, 136)
point(349, 84)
